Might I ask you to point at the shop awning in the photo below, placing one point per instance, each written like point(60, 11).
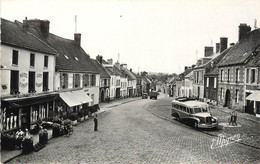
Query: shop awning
point(70, 99)
point(255, 96)
point(82, 96)
point(30, 100)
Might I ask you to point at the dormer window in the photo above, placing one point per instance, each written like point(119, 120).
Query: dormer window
point(76, 58)
point(15, 57)
point(66, 57)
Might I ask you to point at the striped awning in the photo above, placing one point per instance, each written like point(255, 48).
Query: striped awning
point(82, 96)
point(70, 99)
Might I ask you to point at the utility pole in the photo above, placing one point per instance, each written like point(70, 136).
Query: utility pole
point(75, 23)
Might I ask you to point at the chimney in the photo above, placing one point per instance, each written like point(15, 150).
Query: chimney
point(223, 43)
point(193, 65)
point(186, 67)
point(130, 69)
point(110, 61)
point(217, 47)
point(232, 44)
point(208, 51)
point(42, 25)
point(199, 62)
point(25, 23)
point(243, 29)
point(99, 58)
point(45, 27)
point(123, 66)
point(77, 38)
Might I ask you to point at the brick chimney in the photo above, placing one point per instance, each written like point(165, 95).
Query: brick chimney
point(243, 29)
point(208, 51)
point(223, 43)
point(99, 58)
point(217, 47)
point(123, 66)
point(130, 69)
point(42, 25)
point(186, 67)
point(77, 38)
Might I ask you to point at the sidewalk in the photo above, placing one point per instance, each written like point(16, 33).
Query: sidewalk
point(7, 155)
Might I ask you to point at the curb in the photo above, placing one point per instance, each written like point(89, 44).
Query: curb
point(240, 116)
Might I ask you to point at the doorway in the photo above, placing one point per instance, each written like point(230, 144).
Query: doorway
point(227, 99)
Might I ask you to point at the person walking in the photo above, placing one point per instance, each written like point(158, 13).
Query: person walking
point(95, 123)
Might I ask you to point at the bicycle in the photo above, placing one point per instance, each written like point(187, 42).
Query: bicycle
point(68, 130)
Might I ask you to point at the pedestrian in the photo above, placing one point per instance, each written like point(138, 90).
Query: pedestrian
point(234, 118)
point(95, 123)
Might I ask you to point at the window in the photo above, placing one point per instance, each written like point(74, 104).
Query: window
point(31, 82)
point(236, 96)
point(45, 81)
point(93, 80)
point(15, 57)
point(215, 82)
point(258, 76)
point(32, 59)
point(247, 75)
point(221, 75)
point(207, 82)
point(252, 75)
point(76, 80)
point(64, 81)
point(46, 58)
point(14, 82)
point(237, 75)
point(228, 75)
point(221, 93)
point(85, 80)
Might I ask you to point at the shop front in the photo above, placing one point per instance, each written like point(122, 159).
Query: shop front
point(24, 112)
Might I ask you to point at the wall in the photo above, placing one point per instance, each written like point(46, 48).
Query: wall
point(24, 67)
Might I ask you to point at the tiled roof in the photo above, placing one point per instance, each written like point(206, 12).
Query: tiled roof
point(101, 69)
point(214, 70)
point(241, 51)
point(14, 35)
point(254, 61)
point(129, 74)
point(71, 56)
point(118, 72)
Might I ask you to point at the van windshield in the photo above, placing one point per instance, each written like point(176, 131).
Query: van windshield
point(199, 110)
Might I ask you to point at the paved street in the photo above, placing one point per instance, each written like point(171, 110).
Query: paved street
point(130, 133)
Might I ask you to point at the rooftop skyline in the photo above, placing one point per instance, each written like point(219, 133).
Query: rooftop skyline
point(153, 36)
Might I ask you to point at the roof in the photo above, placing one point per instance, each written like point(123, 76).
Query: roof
point(254, 61)
point(191, 103)
point(129, 74)
point(212, 68)
point(71, 56)
point(14, 35)
point(101, 69)
point(241, 51)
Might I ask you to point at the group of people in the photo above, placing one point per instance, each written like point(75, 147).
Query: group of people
point(20, 136)
point(233, 118)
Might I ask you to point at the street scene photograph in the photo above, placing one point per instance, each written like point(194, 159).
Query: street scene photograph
point(130, 81)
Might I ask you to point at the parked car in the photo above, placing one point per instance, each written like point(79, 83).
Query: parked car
point(144, 96)
point(193, 113)
point(153, 94)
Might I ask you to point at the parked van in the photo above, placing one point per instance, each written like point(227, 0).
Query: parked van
point(194, 113)
point(153, 94)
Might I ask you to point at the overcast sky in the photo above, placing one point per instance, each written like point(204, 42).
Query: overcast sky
point(154, 36)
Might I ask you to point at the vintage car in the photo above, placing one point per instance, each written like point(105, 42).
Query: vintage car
point(144, 96)
point(193, 113)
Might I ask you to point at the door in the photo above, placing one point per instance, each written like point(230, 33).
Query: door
point(102, 96)
point(227, 98)
point(25, 118)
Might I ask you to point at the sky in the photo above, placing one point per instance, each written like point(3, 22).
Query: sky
point(147, 35)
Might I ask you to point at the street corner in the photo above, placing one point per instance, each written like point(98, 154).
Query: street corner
point(227, 125)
